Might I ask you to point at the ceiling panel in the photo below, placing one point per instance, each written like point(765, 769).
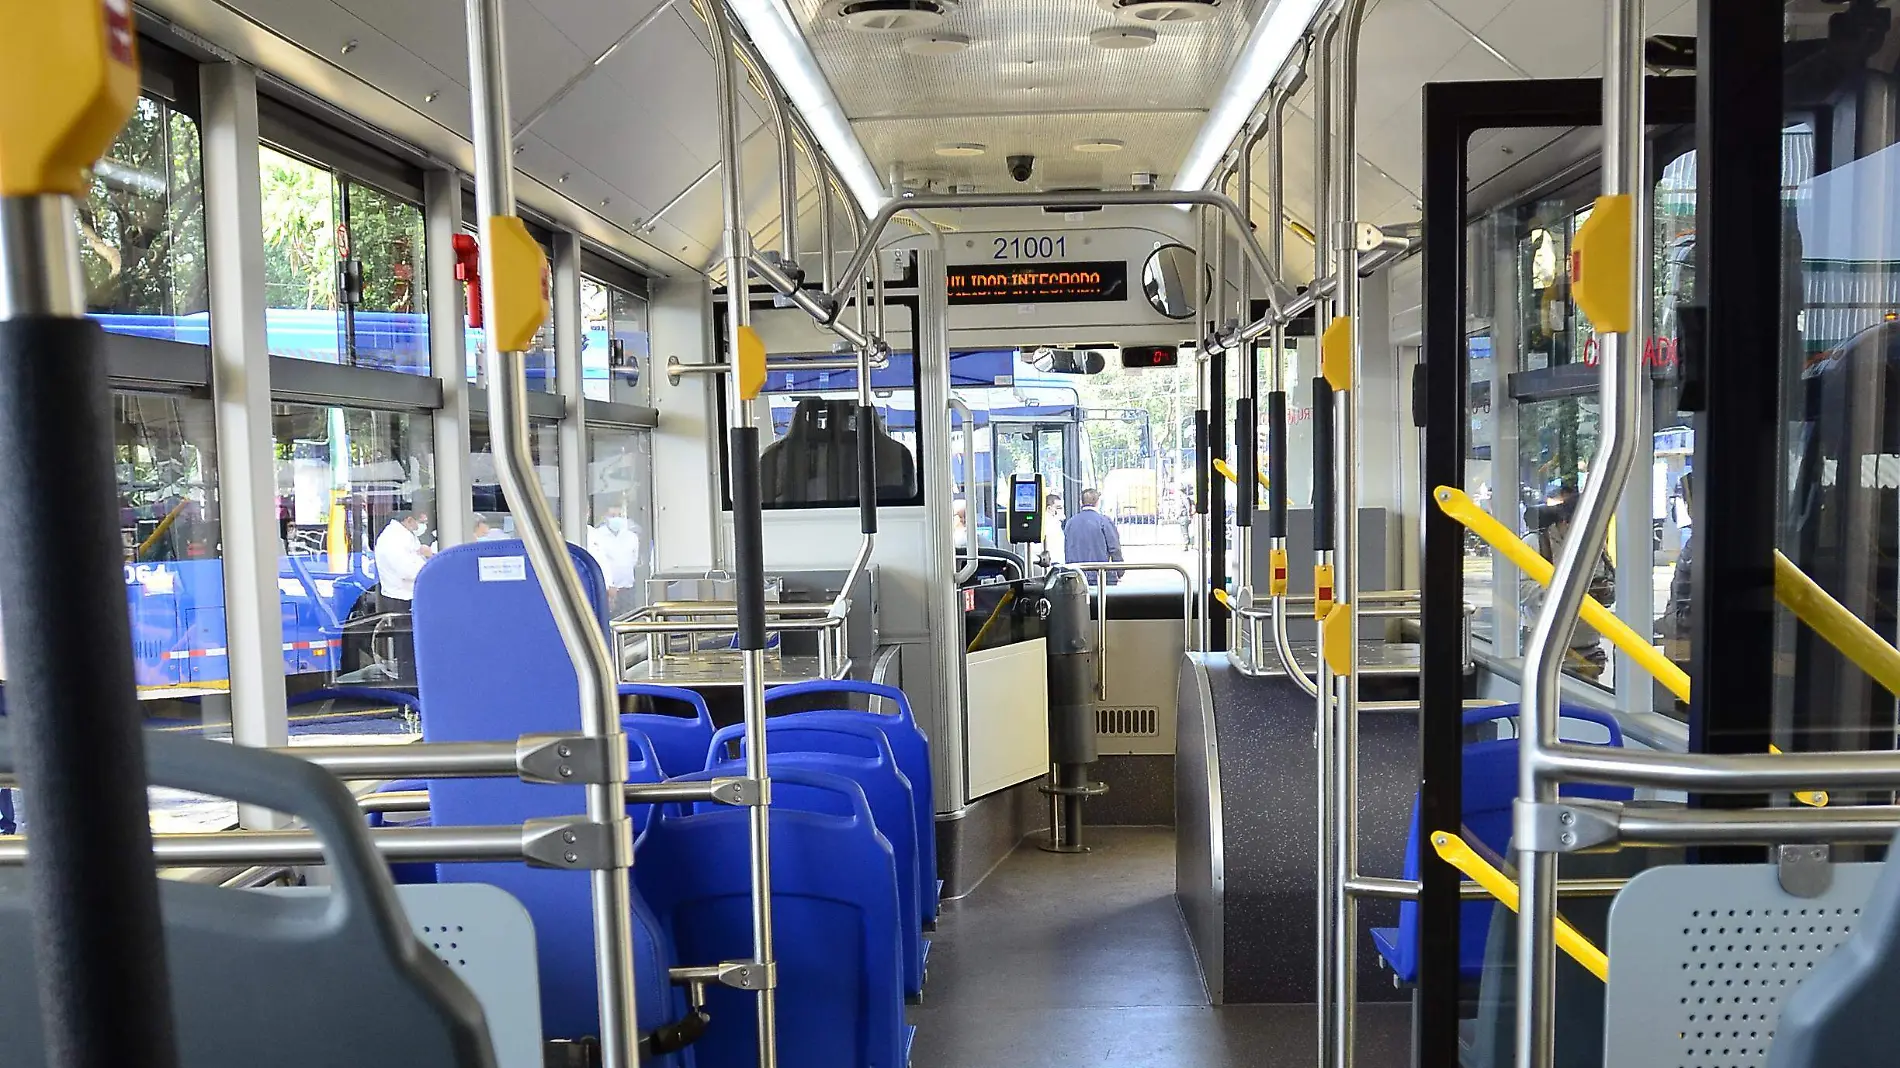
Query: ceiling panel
point(1026, 55)
point(435, 32)
point(668, 77)
point(1155, 142)
point(592, 25)
point(1403, 43)
point(641, 157)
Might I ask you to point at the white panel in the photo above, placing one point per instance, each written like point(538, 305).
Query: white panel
point(540, 59)
point(1402, 44)
point(629, 147)
point(593, 25)
point(1006, 729)
point(1143, 671)
point(436, 32)
point(1554, 38)
point(1473, 13)
point(1473, 63)
point(1155, 142)
point(669, 77)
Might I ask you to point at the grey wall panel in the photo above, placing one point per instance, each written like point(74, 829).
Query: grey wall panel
point(1269, 825)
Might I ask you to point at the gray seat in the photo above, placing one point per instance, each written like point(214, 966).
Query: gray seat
point(1843, 1014)
point(1706, 960)
point(285, 980)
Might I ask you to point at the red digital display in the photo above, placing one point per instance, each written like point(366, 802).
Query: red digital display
point(1134, 356)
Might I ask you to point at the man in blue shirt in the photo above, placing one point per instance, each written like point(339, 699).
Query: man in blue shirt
point(1091, 537)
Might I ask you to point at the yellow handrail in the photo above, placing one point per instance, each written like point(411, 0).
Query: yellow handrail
point(1453, 851)
point(1227, 471)
point(1458, 504)
point(158, 531)
point(1809, 602)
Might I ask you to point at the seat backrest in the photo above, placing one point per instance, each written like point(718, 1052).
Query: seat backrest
point(490, 665)
point(1717, 964)
point(322, 980)
point(862, 753)
point(835, 912)
point(908, 744)
point(680, 741)
point(1489, 777)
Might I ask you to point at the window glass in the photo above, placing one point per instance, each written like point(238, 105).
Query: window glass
point(613, 344)
point(620, 511)
point(165, 451)
point(1840, 343)
point(385, 282)
point(810, 459)
point(142, 230)
point(344, 476)
point(493, 516)
point(301, 225)
point(1126, 436)
point(344, 269)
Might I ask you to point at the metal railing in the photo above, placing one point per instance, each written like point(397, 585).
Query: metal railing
point(665, 623)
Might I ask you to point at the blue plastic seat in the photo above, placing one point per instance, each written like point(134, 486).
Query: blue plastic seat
point(912, 749)
point(835, 913)
point(862, 753)
point(1490, 786)
point(680, 741)
point(490, 665)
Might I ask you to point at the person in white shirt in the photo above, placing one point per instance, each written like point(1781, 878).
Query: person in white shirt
point(615, 545)
point(400, 555)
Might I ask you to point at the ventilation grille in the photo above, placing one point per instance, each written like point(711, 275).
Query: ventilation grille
point(1128, 721)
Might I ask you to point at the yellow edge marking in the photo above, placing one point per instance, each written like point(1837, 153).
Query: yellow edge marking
point(1453, 851)
point(1335, 639)
point(1600, 273)
point(1335, 353)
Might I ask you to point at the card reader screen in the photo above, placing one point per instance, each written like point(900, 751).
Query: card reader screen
point(1025, 497)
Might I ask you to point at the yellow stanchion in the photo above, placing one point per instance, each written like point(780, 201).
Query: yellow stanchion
point(1453, 851)
point(1334, 639)
point(519, 284)
point(1458, 504)
point(1276, 572)
point(1322, 590)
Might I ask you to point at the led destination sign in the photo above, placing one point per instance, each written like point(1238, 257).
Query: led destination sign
point(1039, 283)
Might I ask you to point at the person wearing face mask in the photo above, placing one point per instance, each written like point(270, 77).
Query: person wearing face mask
point(400, 554)
point(615, 544)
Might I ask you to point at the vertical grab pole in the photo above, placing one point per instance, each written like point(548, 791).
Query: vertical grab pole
point(1201, 459)
point(1323, 533)
point(1612, 283)
point(69, 71)
point(748, 536)
point(1246, 425)
point(1277, 580)
point(515, 304)
point(1339, 639)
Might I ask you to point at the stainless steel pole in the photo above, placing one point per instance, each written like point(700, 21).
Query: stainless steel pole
point(585, 642)
point(1346, 401)
point(1620, 371)
point(1324, 734)
point(1277, 429)
point(748, 536)
point(787, 180)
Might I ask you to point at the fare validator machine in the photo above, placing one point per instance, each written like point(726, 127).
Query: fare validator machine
point(1025, 510)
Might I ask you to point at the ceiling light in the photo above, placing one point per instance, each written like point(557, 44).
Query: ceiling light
point(1122, 38)
point(1164, 12)
point(961, 148)
point(1273, 38)
point(891, 16)
point(941, 43)
point(1098, 145)
point(786, 51)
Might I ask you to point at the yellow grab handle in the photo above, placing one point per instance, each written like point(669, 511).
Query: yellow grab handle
point(1335, 353)
point(751, 356)
point(1600, 265)
point(519, 286)
point(1221, 596)
point(69, 78)
point(1227, 471)
point(1832, 621)
point(1458, 504)
point(1453, 851)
